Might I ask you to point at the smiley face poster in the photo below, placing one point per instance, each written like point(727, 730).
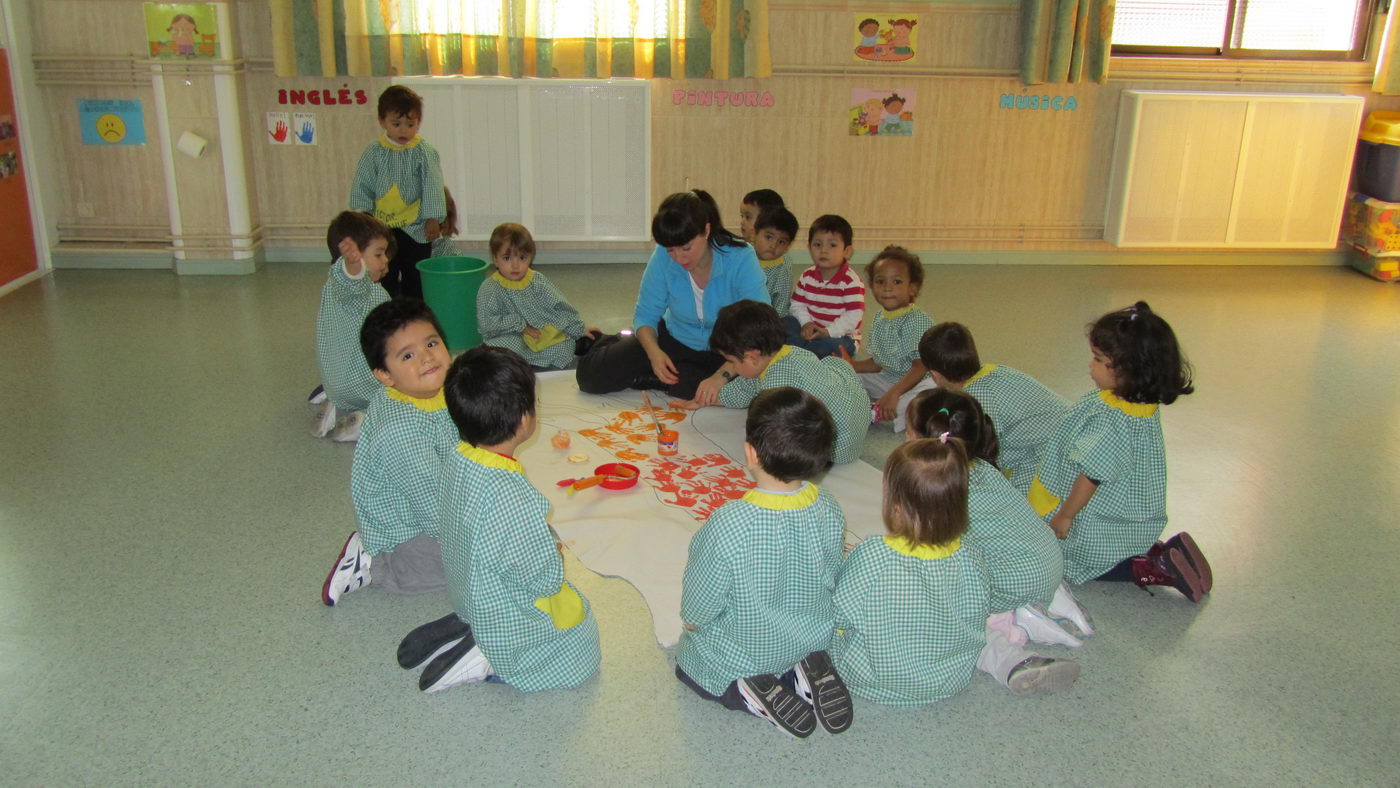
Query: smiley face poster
point(111, 122)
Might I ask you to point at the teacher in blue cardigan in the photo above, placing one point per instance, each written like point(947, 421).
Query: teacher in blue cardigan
point(697, 269)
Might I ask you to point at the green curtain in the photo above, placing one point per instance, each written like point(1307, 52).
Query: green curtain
point(1065, 40)
point(721, 39)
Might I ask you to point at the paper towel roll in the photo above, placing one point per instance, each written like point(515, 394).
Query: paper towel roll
point(191, 144)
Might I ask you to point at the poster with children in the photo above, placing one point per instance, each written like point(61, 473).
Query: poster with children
point(885, 38)
point(182, 30)
point(882, 113)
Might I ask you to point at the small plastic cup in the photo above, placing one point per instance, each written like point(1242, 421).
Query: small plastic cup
point(666, 442)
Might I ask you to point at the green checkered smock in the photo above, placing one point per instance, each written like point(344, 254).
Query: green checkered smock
point(1025, 414)
point(504, 308)
point(393, 478)
point(447, 247)
point(400, 184)
point(345, 302)
point(829, 379)
point(1020, 552)
point(758, 585)
point(779, 283)
point(910, 622)
point(505, 575)
point(893, 339)
point(1119, 445)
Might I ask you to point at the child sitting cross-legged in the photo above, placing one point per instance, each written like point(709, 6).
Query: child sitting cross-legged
point(829, 299)
point(525, 624)
point(519, 309)
point(361, 246)
point(894, 374)
point(749, 336)
point(756, 596)
point(393, 480)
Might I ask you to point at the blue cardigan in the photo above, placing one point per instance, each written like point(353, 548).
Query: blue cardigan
point(666, 293)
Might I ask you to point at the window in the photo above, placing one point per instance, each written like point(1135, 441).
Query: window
point(554, 18)
point(1297, 29)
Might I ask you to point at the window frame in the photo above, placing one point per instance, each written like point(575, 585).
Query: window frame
point(1228, 51)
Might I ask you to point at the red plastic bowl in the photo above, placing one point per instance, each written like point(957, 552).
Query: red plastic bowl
point(618, 469)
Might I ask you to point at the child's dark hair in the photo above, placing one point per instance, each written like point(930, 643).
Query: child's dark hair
point(937, 411)
point(925, 491)
point(385, 320)
point(948, 349)
point(182, 18)
point(449, 226)
point(401, 101)
point(1143, 353)
point(488, 391)
point(898, 254)
point(359, 227)
point(776, 218)
point(893, 97)
point(868, 21)
point(764, 199)
point(792, 433)
point(512, 236)
point(831, 223)
point(747, 325)
point(683, 216)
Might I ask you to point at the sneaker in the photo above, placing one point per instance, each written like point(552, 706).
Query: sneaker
point(1042, 676)
point(1197, 559)
point(431, 640)
point(1065, 609)
point(349, 429)
point(819, 685)
point(464, 663)
point(766, 697)
point(1041, 628)
point(324, 422)
point(350, 572)
point(318, 395)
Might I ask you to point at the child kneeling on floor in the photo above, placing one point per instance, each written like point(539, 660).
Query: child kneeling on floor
point(911, 607)
point(756, 596)
point(525, 625)
point(407, 434)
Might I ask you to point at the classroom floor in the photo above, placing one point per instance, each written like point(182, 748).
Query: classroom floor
point(166, 521)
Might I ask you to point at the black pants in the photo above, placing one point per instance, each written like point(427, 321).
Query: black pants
point(620, 362)
point(1121, 573)
point(403, 279)
point(731, 699)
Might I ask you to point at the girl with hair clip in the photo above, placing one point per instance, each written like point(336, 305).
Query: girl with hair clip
point(911, 607)
point(697, 268)
point(1102, 479)
point(1020, 554)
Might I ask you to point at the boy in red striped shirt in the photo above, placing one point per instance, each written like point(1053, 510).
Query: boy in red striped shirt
point(829, 299)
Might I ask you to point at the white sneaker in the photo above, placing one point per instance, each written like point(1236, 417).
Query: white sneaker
point(318, 395)
point(464, 663)
point(324, 421)
point(1065, 606)
point(349, 573)
point(349, 429)
point(1042, 676)
point(1041, 628)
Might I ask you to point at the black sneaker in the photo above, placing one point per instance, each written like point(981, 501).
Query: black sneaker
point(463, 663)
point(430, 640)
point(584, 344)
point(819, 685)
point(766, 697)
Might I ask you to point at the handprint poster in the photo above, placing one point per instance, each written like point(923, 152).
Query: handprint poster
point(304, 128)
point(885, 38)
point(279, 128)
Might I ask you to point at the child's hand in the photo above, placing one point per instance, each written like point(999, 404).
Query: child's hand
point(560, 547)
point(809, 330)
point(819, 332)
point(432, 230)
point(531, 332)
point(351, 253)
point(1060, 524)
point(690, 627)
point(593, 332)
point(888, 406)
point(707, 393)
point(684, 404)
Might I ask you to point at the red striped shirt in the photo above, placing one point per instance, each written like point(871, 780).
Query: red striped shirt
point(837, 303)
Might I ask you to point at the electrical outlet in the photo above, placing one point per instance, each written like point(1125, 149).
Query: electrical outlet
point(85, 210)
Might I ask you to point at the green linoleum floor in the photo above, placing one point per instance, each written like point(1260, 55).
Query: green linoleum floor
point(165, 523)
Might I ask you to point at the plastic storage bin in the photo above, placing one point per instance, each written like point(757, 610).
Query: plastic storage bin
point(449, 287)
point(1384, 267)
point(1371, 225)
point(1378, 171)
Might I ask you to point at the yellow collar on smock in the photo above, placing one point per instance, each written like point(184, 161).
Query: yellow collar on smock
point(799, 499)
point(782, 351)
point(509, 285)
point(886, 314)
point(434, 403)
point(1141, 410)
point(490, 458)
point(777, 261)
point(385, 142)
point(927, 552)
point(981, 373)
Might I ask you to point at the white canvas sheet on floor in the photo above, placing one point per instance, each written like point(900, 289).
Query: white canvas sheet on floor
point(642, 534)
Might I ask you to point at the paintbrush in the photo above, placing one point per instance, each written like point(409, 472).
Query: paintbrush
point(646, 400)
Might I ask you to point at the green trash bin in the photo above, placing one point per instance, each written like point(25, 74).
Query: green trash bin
point(449, 287)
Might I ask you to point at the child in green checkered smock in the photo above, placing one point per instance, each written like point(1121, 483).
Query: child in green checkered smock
point(350, 292)
point(407, 434)
point(756, 596)
point(518, 619)
point(1102, 479)
point(518, 308)
point(773, 231)
point(1025, 412)
point(894, 373)
point(911, 607)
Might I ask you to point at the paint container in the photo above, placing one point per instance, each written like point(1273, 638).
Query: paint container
point(666, 442)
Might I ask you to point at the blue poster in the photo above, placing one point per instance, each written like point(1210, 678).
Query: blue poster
point(111, 122)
